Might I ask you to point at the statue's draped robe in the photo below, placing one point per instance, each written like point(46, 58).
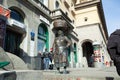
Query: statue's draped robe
point(60, 51)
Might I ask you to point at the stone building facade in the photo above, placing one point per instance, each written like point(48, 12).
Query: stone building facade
point(29, 30)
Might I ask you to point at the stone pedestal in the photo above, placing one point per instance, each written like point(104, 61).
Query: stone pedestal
point(98, 64)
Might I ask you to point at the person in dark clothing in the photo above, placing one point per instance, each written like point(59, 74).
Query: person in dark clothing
point(46, 59)
point(113, 47)
point(51, 54)
point(51, 59)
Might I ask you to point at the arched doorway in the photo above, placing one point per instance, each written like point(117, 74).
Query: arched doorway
point(87, 52)
point(43, 38)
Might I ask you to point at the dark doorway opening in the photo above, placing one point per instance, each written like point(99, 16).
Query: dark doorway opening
point(12, 42)
point(88, 53)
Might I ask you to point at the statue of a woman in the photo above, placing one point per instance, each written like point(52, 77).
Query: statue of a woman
point(60, 48)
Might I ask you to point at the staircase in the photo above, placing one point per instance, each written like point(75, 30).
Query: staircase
point(74, 74)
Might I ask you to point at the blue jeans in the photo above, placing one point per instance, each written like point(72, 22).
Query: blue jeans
point(46, 63)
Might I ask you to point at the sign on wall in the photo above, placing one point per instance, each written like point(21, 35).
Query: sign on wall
point(32, 47)
point(32, 44)
point(4, 11)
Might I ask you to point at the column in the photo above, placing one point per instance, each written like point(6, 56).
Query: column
point(97, 55)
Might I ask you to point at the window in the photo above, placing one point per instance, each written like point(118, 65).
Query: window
point(74, 1)
point(69, 57)
point(16, 15)
point(45, 2)
point(42, 38)
point(86, 19)
point(41, 31)
point(42, 1)
point(75, 53)
point(66, 13)
point(56, 4)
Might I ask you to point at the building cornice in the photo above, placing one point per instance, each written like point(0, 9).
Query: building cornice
point(45, 14)
point(101, 14)
point(86, 4)
point(86, 25)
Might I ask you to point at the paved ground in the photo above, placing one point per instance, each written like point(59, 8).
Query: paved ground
point(90, 73)
point(75, 74)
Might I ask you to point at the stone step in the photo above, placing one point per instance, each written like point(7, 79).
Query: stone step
point(74, 74)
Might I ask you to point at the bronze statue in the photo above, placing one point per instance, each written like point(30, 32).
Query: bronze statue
point(60, 48)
